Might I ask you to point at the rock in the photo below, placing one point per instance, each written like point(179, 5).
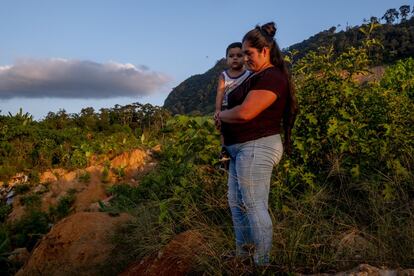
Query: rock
point(51, 175)
point(95, 207)
point(40, 189)
point(156, 149)
point(175, 259)
point(19, 178)
point(368, 270)
point(78, 244)
point(352, 243)
point(129, 160)
point(9, 197)
point(19, 256)
point(406, 272)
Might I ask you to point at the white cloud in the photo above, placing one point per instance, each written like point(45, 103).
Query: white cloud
point(62, 78)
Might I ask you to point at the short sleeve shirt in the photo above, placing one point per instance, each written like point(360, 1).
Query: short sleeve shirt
point(268, 122)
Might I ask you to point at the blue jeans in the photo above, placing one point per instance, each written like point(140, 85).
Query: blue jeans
point(251, 165)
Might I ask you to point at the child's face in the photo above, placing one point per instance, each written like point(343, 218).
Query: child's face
point(235, 58)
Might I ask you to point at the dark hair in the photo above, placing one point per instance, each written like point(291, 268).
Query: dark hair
point(263, 36)
point(233, 45)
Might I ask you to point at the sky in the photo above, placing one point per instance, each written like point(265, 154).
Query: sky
point(73, 54)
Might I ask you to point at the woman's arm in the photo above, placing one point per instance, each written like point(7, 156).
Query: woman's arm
point(254, 103)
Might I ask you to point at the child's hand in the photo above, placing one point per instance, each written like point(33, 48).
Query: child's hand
point(217, 120)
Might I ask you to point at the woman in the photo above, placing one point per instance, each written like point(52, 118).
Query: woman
point(251, 128)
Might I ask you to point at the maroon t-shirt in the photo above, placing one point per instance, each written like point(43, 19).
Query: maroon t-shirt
point(268, 122)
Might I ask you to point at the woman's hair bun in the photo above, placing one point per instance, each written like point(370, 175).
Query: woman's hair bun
point(269, 29)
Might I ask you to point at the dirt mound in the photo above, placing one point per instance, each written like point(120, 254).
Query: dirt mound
point(175, 259)
point(78, 244)
point(89, 184)
point(129, 161)
point(367, 270)
point(51, 175)
point(375, 74)
point(353, 243)
point(92, 191)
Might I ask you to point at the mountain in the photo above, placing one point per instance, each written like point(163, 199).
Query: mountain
point(196, 95)
point(397, 41)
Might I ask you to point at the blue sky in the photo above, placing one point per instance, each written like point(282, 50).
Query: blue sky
point(72, 54)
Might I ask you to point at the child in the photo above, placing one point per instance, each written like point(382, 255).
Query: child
point(228, 80)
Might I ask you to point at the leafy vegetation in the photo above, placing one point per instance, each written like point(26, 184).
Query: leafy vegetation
point(29, 229)
point(4, 211)
point(63, 207)
point(67, 141)
point(84, 177)
point(397, 40)
point(70, 140)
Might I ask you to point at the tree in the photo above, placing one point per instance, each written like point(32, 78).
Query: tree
point(22, 118)
point(390, 16)
point(332, 30)
point(87, 118)
point(57, 120)
point(404, 11)
point(374, 19)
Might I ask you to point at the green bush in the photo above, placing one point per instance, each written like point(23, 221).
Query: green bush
point(105, 177)
point(21, 188)
point(4, 211)
point(119, 172)
point(29, 229)
point(31, 200)
point(84, 177)
point(78, 159)
point(5, 266)
point(63, 207)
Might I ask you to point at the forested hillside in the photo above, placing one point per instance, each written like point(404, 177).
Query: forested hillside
point(394, 31)
point(197, 94)
point(397, 40)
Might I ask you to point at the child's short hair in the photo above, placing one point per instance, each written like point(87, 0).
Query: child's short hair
point(233, 45)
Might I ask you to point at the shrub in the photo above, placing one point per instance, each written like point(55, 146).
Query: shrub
point(84, 177)
point(105, 177)
point(63, 207)
point(31, 200)
point(29, 229)
point(21, 188)
point(4, 211)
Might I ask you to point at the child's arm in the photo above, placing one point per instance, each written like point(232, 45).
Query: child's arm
point(220, 93)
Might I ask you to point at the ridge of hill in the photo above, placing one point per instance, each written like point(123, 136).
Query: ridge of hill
point(196, 95)
point(397, 41)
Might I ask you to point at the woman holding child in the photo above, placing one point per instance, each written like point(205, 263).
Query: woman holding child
point(251, 126)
